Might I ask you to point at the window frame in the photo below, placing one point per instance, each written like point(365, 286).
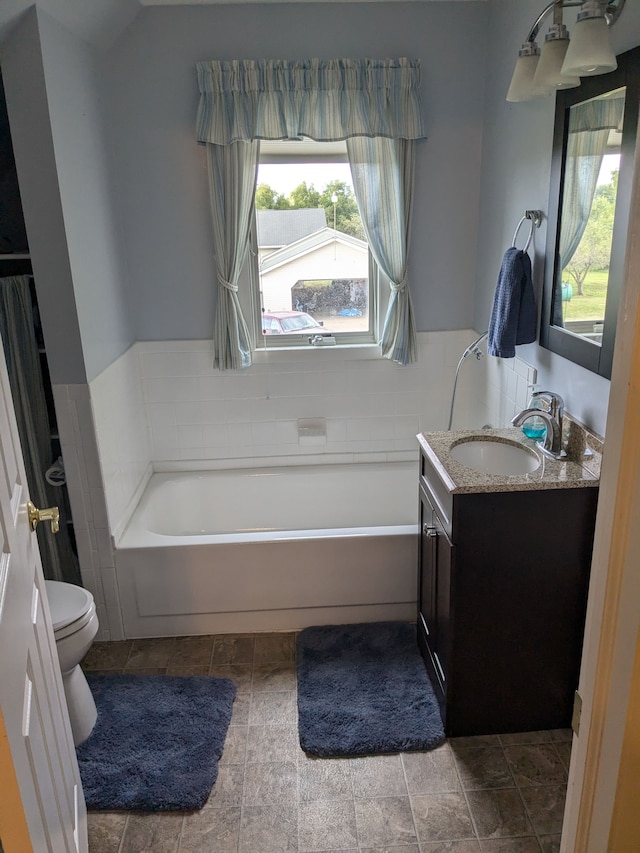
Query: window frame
point(307, 151)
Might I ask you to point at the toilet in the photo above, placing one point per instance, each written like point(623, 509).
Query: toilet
point(75, 624)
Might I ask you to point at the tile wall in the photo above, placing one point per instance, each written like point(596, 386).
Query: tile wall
point(162, 406)
point(366, 404)
point(87, 497)
point(117, 398)
point(503, 391)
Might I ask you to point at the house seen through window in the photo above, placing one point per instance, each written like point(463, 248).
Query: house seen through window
point(313, 257)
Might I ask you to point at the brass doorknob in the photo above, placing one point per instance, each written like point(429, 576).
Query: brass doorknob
point(51, 514)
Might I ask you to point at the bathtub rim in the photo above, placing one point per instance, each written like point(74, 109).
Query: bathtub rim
point(133, 539)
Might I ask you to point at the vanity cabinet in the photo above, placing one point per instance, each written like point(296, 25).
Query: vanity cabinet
point(502, 590)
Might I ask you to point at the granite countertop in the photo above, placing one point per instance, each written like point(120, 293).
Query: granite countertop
point(581, 466)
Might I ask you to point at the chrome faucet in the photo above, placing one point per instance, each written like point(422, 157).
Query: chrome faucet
point(555, 403)
point(551, 445)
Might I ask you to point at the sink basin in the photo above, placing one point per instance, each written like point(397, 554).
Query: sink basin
point(495, 457)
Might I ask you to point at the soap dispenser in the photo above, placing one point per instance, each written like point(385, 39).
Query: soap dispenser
point(534, 427)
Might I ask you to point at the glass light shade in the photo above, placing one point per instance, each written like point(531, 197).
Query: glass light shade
point(522, 87)
point(589, 52)
point(549, 74)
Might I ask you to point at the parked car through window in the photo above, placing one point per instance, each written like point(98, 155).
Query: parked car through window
point(291, 322)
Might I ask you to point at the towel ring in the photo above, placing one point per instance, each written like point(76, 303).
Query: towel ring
point(535, 218)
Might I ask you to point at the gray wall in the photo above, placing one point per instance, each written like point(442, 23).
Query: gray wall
point(515, 177)
point(55, 116)
point(150, 94)
point(25, 87)
point(91, 217)
point(114, 186)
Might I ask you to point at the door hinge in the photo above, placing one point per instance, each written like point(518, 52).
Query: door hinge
point(577, 712)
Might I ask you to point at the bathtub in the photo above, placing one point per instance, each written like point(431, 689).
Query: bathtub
point(270, 549)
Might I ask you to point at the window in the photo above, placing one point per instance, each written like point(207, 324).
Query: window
point(374, 106)
point(313, 282)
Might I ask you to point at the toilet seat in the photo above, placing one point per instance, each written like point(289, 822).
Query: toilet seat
point(71, 607)
point(73, 627)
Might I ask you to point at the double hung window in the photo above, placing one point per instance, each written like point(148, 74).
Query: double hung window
point(313, 280)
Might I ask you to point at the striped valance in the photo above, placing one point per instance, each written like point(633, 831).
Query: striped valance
point(597, 114)
point(324, 100)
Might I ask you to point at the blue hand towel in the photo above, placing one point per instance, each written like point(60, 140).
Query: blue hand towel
point(514, 315)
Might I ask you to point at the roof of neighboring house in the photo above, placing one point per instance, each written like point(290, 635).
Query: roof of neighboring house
point(278, 228)
point(310, 243)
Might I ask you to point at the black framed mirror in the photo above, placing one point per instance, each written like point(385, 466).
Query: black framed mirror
point(593, 150)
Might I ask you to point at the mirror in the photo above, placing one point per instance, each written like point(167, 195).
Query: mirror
point(593, 148)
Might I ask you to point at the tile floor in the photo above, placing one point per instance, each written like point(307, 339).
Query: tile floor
point(495, 794)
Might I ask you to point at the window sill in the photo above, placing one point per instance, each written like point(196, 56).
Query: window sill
point(342, 352)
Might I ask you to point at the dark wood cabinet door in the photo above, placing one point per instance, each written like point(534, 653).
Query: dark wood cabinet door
point(444, 552)
point(427, 572)
point(436, 555)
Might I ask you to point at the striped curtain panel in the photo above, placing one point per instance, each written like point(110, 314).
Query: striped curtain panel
point(373, 104)
point(382, 173)
point(232, 184)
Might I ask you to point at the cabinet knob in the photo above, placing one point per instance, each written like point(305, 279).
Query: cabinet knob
point(428, 530)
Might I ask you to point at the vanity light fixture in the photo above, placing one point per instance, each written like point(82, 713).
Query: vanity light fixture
point(562, 61)
point(590, 51)
point(549, 74)
point(522, 86)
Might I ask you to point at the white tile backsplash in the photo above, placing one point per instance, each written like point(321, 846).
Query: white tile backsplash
point(123, 434)
point(503, 391)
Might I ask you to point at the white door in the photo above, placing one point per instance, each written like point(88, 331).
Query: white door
point(42, 806)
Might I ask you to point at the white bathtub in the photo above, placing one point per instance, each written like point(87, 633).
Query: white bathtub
point(270, 549)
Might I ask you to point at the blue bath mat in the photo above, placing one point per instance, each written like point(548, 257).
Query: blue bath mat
point(364, 690)
point(156, 743)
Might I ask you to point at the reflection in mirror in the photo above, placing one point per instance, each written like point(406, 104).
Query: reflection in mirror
point(592, 167)
point(591, 176)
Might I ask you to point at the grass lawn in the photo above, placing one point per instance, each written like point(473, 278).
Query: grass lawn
point(591, 305)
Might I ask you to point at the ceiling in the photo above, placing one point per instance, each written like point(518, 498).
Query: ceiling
point(100, 22)
point(96, 21)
